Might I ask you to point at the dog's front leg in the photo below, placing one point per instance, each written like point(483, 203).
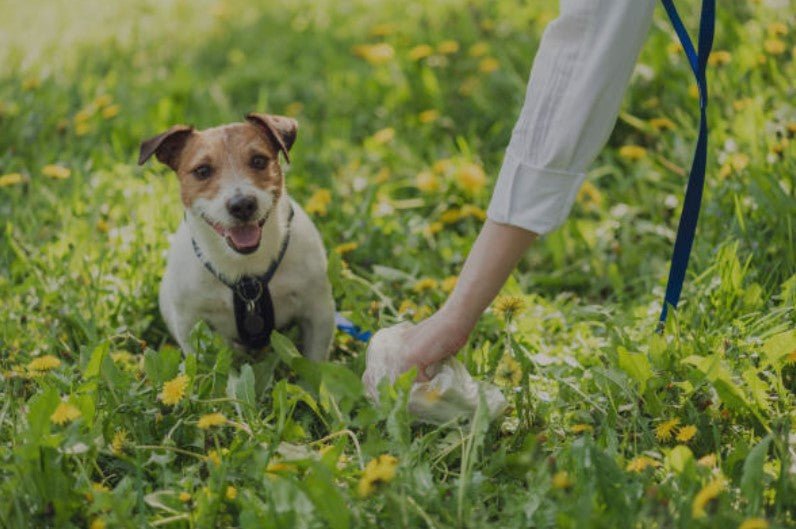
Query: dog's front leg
point(317, 329)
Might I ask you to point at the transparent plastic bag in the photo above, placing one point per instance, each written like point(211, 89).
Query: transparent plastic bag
point(450, 393)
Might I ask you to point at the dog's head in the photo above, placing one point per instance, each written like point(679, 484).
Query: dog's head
point(229, 175)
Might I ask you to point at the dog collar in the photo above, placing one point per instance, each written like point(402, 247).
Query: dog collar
point(251, 297)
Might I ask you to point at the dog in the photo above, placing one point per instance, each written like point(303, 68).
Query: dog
point(246, 258)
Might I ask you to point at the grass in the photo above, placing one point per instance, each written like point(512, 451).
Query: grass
point(103, 423)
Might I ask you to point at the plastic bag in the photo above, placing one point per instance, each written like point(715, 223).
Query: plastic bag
point(450, 393)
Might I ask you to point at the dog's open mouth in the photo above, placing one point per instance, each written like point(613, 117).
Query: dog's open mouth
point(243, 238)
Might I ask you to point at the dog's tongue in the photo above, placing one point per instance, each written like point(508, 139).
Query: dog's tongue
point(245, 236)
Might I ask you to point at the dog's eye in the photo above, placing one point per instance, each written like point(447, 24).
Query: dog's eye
point(258, 162)
point(203, 172)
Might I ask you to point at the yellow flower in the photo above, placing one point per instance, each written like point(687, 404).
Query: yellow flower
point(479, 49)
point(58, 172)
point(488, 65)
point(277, 468)
point(384, 136)
point(674, 48)
point(382, 30)
point(174, 390)
point(708, 493)
point(707, 461)
point(97, 523)
point(754, 523)
point(406, 306)
point(43, 363)
point(509, 306)
point(118, 441)
point(638, 464)
point(442, 166)
point(580, 428)
point(589, 195)
point(231, 493)
point(774, 46)
point(447, 47)
point(561, 480)
point(428, 116)
point(102, 100)
point(693, 91)
point(84, 114)
point(110, 112)
point(719, 57)
point(508, 372)
point(11, 179)
point(450, 216)
point(471, 210)
point(211, 419)
point(662, 124)
point(777, 28)
point(377, 472)
point(470, 177)
point(375, 54)
point(632, 152)
point(81, 129)
point(185, 497)
point(213, 457)
point(665, 429)
point(686, 433)
point(318, 202)
point(431, 229)
point(427, 283)
point(31, 83)
point(346, 247)
point(64, 413)
point(420, 51)
point(739, 161)
point(448, 284)
point(426, 181)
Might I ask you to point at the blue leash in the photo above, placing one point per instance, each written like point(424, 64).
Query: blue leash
point(696, 178)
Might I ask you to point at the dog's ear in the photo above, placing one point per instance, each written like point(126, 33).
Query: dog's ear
point(166, 146)
point(280, 129)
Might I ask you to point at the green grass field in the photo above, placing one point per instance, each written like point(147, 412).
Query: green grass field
point(405, 110)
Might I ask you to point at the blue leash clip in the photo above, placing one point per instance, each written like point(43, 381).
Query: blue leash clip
point(696, 178)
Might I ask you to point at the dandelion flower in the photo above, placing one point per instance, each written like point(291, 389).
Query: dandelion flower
point(231, 493)
point(442, 166)
point(446, 47)
point(185, 497)
point(64, 413)
point(561, 480)
point(632, 152)
point(318, 202)
point(110, 112)
point(662, 124)
point(471, 210)
point(509, 306)
point(754, 523)
point(686, 433)
point(384, 136)
point(174, 390)
point(638, 464)
point(81, 129)
point(58, 172)
point(406, 307)
point(719, 58)
point(508, 372)
point(450, 216)
point(119, 441)
point(11, 179)
point(428, 116)
point(213, 457)
point(432, 228)
point(426, 181)
point(422, 285)
point(383, 29)
point(378, 471)
point(471, 178)
point(479, 49)
point(707, 461)
point(31, 83)
point(346, 247)
point(375, 54)
point(488, 65)
point(774, 46)
point(589, 195)
point(43, 363)
point(97, 523)
point(665, 430)
point(420, 52)
point(448, 284)
point(580, 428)
point(708, 493)
point(211, 419)
point(102, 100)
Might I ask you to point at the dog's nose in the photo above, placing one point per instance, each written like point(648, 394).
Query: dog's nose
point(242, 207)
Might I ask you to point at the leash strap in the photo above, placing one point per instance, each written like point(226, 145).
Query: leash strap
point(696, 178)
point(347, 326)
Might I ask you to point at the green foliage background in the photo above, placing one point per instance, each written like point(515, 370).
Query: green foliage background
point(583, 446)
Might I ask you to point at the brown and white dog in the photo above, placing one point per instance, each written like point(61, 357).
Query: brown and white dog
point(237, 218)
